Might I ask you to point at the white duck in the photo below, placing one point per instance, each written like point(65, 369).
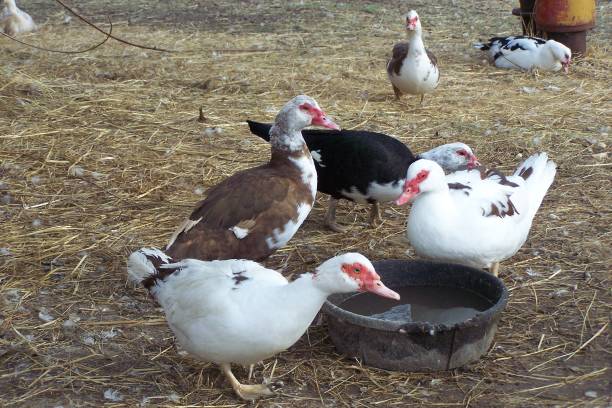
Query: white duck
point(474, 217)
point(237, 311)
point(14, 21)
point(527, 53)
point(412, 68)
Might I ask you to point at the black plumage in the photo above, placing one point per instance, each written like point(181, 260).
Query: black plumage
point(511, 43)
point(515, 42)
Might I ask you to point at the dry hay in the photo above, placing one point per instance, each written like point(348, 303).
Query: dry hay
point(102, 153)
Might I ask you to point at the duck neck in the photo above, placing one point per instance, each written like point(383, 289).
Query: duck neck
point(547, 59)
point(416, 42)
point(438, 203)
point(301, 298)
point(296, 163)
point(283, 157)
point(10, 4)
point(290, 140)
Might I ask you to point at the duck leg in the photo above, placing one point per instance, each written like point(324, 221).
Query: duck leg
point(330, 216)
point(495, 269)
point(422, 97)
point(375, 217)
point(246, 391)
point(398, 93)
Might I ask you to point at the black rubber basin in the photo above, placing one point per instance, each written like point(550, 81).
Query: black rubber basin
point(419, 345)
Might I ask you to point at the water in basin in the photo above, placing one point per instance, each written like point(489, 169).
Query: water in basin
point(433, 304)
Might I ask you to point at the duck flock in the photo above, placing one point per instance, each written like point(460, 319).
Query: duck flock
point(207, 278)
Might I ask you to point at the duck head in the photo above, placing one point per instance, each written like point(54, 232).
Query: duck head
point(10, 5)
point(413, 22)
point(452, 157)
point(423, 176)
point(351, 272)
point(300, 112)
point(560, 53)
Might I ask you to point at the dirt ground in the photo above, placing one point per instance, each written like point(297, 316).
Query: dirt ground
point(101, 153)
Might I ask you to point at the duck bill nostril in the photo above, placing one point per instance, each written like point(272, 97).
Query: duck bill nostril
point(379, 288)
point(319, 119)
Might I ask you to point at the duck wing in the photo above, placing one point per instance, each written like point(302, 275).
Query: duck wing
point(240, 201)
point(194, 289)
point(486, 191)
point(400, 51)
point(432, 58)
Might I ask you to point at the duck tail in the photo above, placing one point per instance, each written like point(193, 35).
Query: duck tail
point(539, 172)
point(481, 46)
point(143, 265)
point(260, 129)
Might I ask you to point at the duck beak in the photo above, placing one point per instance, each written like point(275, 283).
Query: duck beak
point(379, 288)
point(411, 190)
point(410, 24)
point(320, 119)
point(565, 66)
point(473, 162)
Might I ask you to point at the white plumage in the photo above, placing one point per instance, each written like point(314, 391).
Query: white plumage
point(474, 217)
point(527, 53)
point(14, 21)
point(237, 311)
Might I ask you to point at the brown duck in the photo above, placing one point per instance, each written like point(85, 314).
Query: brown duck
point(256, 211)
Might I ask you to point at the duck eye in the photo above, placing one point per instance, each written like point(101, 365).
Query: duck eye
point(461, 152)
point(357, 270)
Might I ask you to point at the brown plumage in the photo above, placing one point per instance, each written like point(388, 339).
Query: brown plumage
point(260, 200)
point(400, 50)
point(460, 186)
point(432, 58)
point(508, 210)
point(526, 172)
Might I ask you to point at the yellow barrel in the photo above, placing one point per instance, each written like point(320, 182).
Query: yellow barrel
point(562, 16)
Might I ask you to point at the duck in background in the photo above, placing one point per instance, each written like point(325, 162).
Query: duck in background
point(474, 217)
point(412, 68)
point(256, 211)
point(527, 53)
point(367, 167)
point(237, 311)
point(15, 21)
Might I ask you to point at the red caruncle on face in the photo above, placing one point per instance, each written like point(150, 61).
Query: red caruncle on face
point(360, 273)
